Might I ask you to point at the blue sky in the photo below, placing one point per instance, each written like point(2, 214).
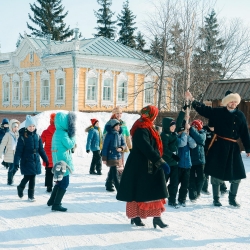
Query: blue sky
point(14, 15)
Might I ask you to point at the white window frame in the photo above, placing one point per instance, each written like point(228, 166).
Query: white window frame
point(6, 80)
point(60, 75)
point(45, 76)
point(122, 77)
point(108, 76)
point(148, 89)
point(16, 80)
point(91, 74)
point(25, 79)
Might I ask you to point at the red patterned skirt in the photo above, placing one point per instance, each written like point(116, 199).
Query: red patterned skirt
point(145, 209)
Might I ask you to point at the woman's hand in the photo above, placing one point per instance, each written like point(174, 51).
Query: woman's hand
point(119, 149)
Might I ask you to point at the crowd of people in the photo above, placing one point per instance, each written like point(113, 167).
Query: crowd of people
point(173, 162)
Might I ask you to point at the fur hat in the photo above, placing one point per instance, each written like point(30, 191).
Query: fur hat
point(117, 110)
point(93, 121)
point(29, 121)
point(229, 97)
point(113, 122)
point(197, 124)
point(5, 121)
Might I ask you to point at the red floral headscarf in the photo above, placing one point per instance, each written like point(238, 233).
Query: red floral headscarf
point(148, 115)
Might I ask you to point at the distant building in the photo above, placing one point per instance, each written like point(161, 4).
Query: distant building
point(81, 75)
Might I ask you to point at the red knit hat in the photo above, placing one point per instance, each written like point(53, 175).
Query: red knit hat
point(197, 124)
point(52, 118)
point(93, 121)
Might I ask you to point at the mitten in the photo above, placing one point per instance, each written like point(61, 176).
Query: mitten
point(185, 106)
point(175, 157)
point(87, 151)
point(165, 168)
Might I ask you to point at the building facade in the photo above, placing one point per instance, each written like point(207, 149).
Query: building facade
point(81, 75)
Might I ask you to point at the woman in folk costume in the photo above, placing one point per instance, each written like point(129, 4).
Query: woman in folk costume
point(143, 184)
point(46, 137)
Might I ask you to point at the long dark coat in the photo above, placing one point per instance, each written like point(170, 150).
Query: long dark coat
point(28, 151)
point(224, 159)
point(138, 183)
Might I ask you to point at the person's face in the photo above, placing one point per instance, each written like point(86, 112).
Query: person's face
point(31, 128)
point(97, 124)
point(15, 128)
point(232, 105)
point(172, 128)
point(118, 115)
point(117, 127)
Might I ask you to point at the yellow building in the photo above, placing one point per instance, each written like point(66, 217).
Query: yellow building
point(81, 75)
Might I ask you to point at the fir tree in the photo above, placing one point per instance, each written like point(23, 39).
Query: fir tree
point(106, 26)
point(156, 48)
point(126, 23)
point(50, 19)
point(140, 41)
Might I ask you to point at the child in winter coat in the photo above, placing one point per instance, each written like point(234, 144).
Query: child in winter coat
point(94, 143)
point(46, 137)
point(4, 129)
point(8, 145)
point(185, 142)
point(28, 151)
point(113, 145)
point(198, 160)
point(63, 142)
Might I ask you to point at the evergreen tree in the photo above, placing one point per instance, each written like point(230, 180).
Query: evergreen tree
point(156, 48)
point(208, 54)
point(104, 15)
point(50, 19)
point(126, 23)
point(140, 41)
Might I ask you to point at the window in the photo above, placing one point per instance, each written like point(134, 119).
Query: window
point(148, 93)
point(6, 92)
point(15, 91)
point(107, 88)
point(92, 89)
point(122, 86)
point(26, 91)
point(60, 90)
point(45, 91)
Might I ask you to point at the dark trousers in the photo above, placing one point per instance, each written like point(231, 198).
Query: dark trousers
point(184, 175)
point(196, 181)
point(223, 186)
point(64, 183)
point(11, 172)
point(28, 178)
point(112, 177)
point(173, 183)
point(48, 177)
point(96, 163)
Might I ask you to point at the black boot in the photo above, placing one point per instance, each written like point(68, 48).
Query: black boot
point(216, 195)
point(158, 222)
point(109, 186)
point(50, 202)
point(31, 195)
point(20, 191)
point(57, 202)
point(137, 221)
point(232, 195)
point(49, 189)
point(10, 178)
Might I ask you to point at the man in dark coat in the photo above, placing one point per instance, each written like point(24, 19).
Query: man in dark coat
point(224, 160)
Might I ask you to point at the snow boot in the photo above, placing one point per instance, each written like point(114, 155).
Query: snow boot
point(173, 204)
point(216, 196)
point(158, 222)
point(232, 195)
point(109, 186)
point(49, 189)
point(20, 191)
point(50, 202)
point(57, 202)
point(31, 195)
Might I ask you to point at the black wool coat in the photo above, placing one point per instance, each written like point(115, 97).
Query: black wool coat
point(143, 179)
point(28, 151)
point(224, 159)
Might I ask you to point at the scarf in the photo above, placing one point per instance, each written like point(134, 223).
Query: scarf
point(148, 115)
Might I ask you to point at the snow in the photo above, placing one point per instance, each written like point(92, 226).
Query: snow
point(96, 220)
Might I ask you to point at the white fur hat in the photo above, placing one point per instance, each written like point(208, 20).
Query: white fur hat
point(229, 97)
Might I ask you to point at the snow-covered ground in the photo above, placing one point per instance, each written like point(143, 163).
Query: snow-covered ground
point(96, 220)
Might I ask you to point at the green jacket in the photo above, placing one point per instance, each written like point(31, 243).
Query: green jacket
point(169, 139)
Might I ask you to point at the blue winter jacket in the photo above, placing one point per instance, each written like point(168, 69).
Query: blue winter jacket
point(93, 140)
point(185, 142)
point(28, 151)
point(62, 143)
point(112, 141)
point(198, 153)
